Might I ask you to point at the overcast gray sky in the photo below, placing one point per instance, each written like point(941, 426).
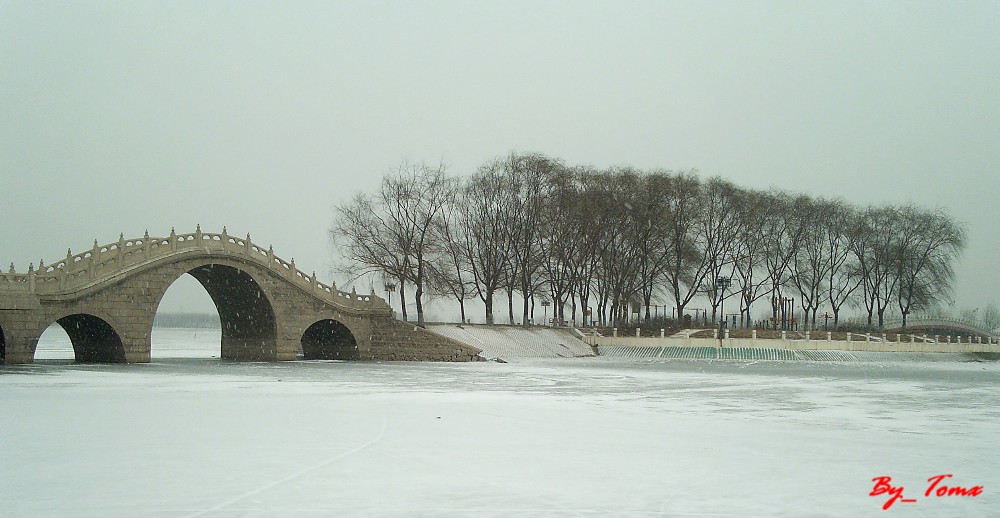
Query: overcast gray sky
point(122, 116)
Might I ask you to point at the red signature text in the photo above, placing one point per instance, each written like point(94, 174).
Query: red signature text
point(935, 488)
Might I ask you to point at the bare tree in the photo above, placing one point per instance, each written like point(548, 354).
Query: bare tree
point(686, 264)
point(721, 227)
point(875, 252)
point(783, 230)
point(811, 263)
point(487, 213)
point(390, 233)
point(844, 275)
point(926, 244)
point(749, 251)
point(450, 271)
point(370, 242)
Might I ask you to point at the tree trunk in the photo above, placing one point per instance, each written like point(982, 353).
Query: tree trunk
point(418, 295)
point(489, 307)
point(402, 299)
point(510, 305)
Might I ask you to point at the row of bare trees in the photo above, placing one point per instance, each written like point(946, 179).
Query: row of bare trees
point(529, 227)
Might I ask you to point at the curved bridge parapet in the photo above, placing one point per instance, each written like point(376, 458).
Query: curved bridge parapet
point(106, 263)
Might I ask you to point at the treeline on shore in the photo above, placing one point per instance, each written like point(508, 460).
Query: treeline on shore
point(600, 243)
point(187, 320)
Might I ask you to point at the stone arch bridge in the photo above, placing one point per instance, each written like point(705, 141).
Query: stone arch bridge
point(105, 299)
point(938, 325)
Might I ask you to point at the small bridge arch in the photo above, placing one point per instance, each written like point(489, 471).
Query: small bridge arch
point(329, 339)
point(94, 338)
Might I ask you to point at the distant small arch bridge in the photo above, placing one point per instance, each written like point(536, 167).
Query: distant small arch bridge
point(106, 298)
point(939, 325)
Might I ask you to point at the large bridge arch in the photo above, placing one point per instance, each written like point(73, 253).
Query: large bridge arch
point(246, 313)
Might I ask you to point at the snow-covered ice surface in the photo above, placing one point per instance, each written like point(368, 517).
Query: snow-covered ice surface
point(557, 437)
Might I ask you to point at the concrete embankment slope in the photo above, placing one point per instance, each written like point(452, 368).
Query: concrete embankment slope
point(765, 353)
point(513, 342)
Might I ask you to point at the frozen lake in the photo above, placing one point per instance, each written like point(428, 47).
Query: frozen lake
point(188, 435)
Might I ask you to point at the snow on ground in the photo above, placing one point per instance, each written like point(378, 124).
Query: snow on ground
point(554, 437)
point(516, 342)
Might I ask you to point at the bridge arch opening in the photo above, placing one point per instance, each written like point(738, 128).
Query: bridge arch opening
point(186, 323)
point(329, 340)
point(249, 331)
point(93, 339)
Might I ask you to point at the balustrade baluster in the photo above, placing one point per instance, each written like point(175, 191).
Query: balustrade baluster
point(121, 250)
point(95, 254)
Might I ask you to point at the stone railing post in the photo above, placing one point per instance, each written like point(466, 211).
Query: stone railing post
point(197, 235)
point(173, 240)
point(225, 237)
point(637, 332)
point(121, 250)
point(848, 336)
point(247, 247)
point(145, 244)
point(313, 283)
point(753, 334)
point(95, 256)
point(270, 255)
point(31, 278)
point(291, 269)
point(62, 271)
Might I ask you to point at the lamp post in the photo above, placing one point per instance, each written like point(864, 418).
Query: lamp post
point(722, 283)
point(389, 287)
point(545, 307)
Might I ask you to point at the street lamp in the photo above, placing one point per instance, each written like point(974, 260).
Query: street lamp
point(722, 283)
point(545, 306)
point(389, 287)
